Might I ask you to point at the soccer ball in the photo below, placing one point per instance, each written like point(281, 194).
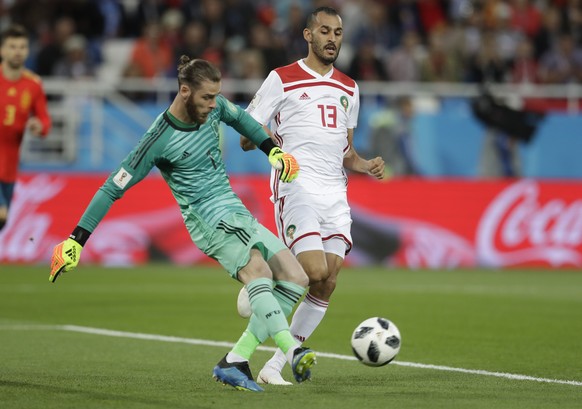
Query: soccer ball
point(376, 341)
point(243, 304)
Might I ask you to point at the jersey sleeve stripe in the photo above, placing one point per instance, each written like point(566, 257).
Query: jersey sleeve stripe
point(146, 144)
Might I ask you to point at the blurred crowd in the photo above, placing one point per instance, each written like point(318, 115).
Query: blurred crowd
point(512, 41)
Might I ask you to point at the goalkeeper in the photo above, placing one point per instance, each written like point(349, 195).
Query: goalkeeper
point(183, 143)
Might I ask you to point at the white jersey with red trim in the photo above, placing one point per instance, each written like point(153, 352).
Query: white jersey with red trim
point(309, 114)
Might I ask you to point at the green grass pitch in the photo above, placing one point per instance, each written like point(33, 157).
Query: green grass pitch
point(127, 338)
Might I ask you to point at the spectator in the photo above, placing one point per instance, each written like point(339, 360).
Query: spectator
point(380, 31)
point(151, 55)
point(441, 64)
point(548, 33)
point(365, 64)
point(407, 17)
point(194, 42)
point(291, 30)
point(506, 36)
point(172, 22)
point(144, 13)
point(524, 68)
point(213, 19)
point(525, 17)
point(431, 14)
point(472, 28)
point(54, 51)
point(487, 65)
point(75, 63)
point(250, 65)
point(562, 64)
point(239, 16)
point(114, 17)
point(571, 19)
point(271, 47)
point(392, 138)
point(404, 62)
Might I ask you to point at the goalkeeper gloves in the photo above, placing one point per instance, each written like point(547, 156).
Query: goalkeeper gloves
point(65, 258)
point(285, 163)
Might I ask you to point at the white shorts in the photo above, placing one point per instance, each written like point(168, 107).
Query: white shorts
point(315, 222)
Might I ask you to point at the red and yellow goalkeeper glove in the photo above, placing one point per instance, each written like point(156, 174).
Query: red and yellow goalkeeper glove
point(285, 163)
point(65, 258)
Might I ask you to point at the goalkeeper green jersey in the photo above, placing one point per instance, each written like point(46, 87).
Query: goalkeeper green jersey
point(190, 160)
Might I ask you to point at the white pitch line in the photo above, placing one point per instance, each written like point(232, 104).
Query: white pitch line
point(192, 341)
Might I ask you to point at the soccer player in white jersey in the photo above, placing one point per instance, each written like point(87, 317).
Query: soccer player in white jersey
point(312, 109)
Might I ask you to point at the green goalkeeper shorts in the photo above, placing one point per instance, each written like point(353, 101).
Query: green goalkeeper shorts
point(235, 235)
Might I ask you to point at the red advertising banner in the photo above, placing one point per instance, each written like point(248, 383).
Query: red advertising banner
point(416, 223)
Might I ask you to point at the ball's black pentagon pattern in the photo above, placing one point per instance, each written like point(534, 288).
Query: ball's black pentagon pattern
point(362, 332)
point(373, 352)
point(384, 323)
point(393, 341)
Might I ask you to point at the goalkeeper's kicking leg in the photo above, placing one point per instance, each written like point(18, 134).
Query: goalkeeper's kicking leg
point(270, 303)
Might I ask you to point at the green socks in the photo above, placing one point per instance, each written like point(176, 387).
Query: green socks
point(270, 307)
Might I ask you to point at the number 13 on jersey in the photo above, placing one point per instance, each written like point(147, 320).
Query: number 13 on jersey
point(328, 116)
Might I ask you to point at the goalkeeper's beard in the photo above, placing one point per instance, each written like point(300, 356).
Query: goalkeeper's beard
point(193, 113)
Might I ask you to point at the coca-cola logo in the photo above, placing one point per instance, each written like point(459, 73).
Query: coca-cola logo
point(519, 228)
point(26, 236)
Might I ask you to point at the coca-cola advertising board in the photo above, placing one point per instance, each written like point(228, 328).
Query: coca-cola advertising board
point(415, 223)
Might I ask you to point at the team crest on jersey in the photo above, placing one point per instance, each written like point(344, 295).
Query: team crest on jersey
point(25, 100)
point(290, 232)
point(344, 102)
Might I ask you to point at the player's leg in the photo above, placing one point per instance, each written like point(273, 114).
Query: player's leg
point(3, 216)
point(321, 259)
point(336, 241)
point(234, 369)
point(308, 315)
point(268, 315)
point(311, 311)
point(287, 291)
point(6, 191)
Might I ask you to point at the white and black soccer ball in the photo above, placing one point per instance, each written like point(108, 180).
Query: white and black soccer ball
point(376, 341)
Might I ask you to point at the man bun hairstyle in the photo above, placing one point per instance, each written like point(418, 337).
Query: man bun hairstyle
point(194, 71)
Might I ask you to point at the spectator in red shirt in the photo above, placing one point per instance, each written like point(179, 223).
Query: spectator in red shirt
point(22, 107)
point(525, 17)
point(152, 55)
point(524, 67)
